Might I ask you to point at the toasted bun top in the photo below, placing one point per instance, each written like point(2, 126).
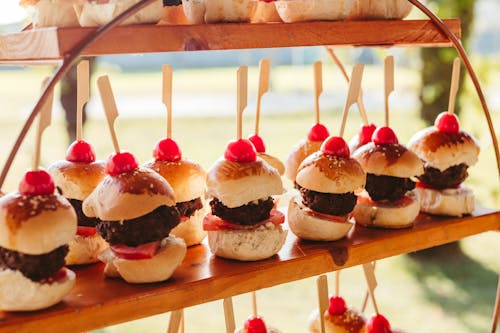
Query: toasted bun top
point(186, 178)
point(274, 162)
point(128, 196)
point(36, 224)
point(330, 174)
point(77, 180)
point(389, 160)
point(441, 150)
point(236, 184)
point(299, 152)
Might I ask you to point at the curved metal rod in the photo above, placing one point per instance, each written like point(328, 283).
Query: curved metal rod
point(69, 60)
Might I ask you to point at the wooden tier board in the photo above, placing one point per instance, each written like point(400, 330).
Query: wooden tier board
point(96, 301)
point(32, 46)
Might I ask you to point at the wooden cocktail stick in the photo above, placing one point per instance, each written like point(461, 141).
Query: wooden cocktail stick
point(254, 304)
point(455, 79)
point(242, 99)
point(183, 321)
point(229, 315)
point(44, 119)
point(264, 71)
point(167, 75)
point(318, 87)
point(361, 105)
point(371, 281)
point(82, 95)
point(109, 105)
point(337, 283)
point(367, 294)
point(322, 285)
point(352, 94)
point(175, 321)
point(388, 84)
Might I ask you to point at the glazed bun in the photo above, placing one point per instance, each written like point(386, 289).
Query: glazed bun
point(450, 202)
point(192, 230)
point(274, 162)
point(330, 174)
point(380, 215)
point(310, 227)
point(18, 293)
point(247, 245)
point(158, 268)
point(351, 321)
point(298, 154)
point(441, 150)
point(84, 250)
point(36, 224)
point(128, 196)
point(236, 184)
point(77, 180)
point(389, 160)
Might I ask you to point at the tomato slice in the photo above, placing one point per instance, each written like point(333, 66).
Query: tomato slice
point(326, 217)
point(58, 276)
point(404, 201)
point(86, 231)
point(424, 185)
point(213, 222)
point(144, 251)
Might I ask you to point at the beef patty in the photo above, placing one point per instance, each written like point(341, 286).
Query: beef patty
point(83, 221)
point(248, 214)
point(188, 208)
point(328, 203)
point(387, 187)
point(449, 178)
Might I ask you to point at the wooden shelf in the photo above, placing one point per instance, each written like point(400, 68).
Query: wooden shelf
point(97, 302)
point(54, 43)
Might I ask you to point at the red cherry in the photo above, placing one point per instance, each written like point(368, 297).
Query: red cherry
point(318, 133)
point(447, 123)
point(255, 325)
point(240, 151)
point(80, 151)
point(378, 324)
point(365, 134)
point(336, 146)
point(384, 136)
point(167, 150)
point(258, 143)
point(120, 163)
point(37, 182)
point(337, 306)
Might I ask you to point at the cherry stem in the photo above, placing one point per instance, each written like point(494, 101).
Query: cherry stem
point(264, 71)
point(254, 303)
point(82, 95)
point(318, 87)
point(167, 96)
point(455, 78)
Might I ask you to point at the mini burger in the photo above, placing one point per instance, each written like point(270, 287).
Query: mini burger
point(327, 181)
point(75, 178)
point(390, 200)
point(243, 223)
point(188, 181)
point(136, 208)
point(36, 224)
point(447, 153)
point(338, 319)
point(255, 324)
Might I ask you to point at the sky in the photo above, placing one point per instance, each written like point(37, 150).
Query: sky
point(10, 11)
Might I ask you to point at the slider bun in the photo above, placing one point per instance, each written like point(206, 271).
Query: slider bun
point(84, 250)
point(448, 202)
point(192, 230)
point(298, 154)
point(52, 13)
point(186, 178)
point(128, 196)
point(159, 268)
point(18, 293)
point(350, 318)
point(273, 161)
point(441, 150)
point(330, 174)
point(236, 184)
point(313, 228)
point(386, 216)
point(36, 224)
point(247, 245)
point(389, 160)
point(77, 180)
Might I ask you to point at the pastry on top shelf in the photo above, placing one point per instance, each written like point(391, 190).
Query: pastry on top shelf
point(213, 11)
point(380, 9)
point(51, 13)
point(313, 10)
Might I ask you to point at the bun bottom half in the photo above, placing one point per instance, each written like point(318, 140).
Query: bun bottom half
point(247, 245)
point(314, 228)
point(377, 215)
point(84, 250)
point(18, 293)
point(156, 269)
point(449, 202)
point(331, 327)
point(192, 230)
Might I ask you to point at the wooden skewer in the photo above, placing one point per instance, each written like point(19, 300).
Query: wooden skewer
point(167, 96)
point(175, 321)
point(322, 285)
point(455, 79)
point(242, 96)
point(109, 105)
point(337, 283)
point(43, 122)
point(183, 321)
point(367, 294)
point(318, 87)
point(264, 71)
point(361, 105)
point(496, 311)
point(254, 303)
point(388, 83)
point(229, 315)
point(354, 86)
point(371, 280)
point(82, 95)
